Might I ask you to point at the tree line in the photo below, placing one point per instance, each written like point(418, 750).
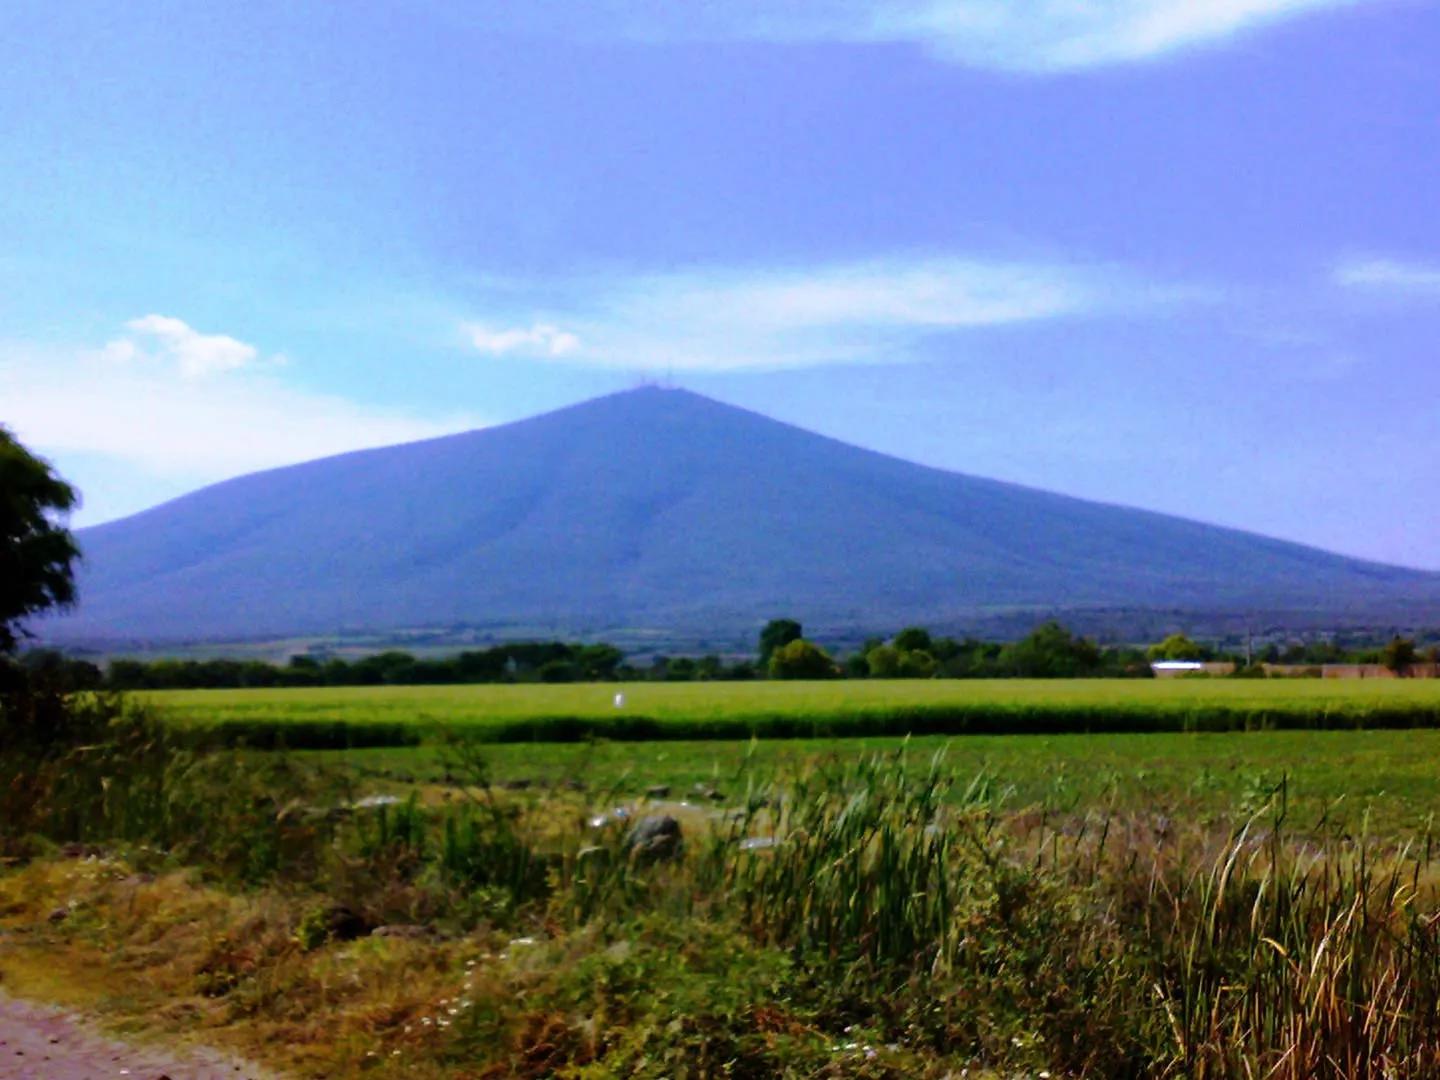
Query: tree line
point(1051, 651)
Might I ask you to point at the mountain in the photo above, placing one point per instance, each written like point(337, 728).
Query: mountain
point(662, 509)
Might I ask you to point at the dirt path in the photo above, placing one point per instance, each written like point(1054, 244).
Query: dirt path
point(42, 1043)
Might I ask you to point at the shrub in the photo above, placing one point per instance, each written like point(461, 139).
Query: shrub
point(802, 659)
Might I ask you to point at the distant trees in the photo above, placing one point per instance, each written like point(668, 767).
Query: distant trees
point(801, 659)
point(516, 662)
point(1051, 652)
point(914, 639)
point(777, 634)
point(37, 552)
point(1178, 647)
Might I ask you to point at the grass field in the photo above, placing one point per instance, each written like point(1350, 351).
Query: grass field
point(1388, 775)
point(656, 711)
point(1391, 778)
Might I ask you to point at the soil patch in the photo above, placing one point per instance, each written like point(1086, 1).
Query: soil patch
point(38, 1042)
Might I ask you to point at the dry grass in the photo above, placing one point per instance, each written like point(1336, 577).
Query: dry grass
point(171, 957)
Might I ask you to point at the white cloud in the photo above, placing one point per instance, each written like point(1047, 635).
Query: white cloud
point(540, 340)
point(196, 355)
point(1038, 36)
point(854, 312)
point(163, 422)
point(1392, 276)
point(1062, 35)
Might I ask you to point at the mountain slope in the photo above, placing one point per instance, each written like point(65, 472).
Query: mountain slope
point(663, 508)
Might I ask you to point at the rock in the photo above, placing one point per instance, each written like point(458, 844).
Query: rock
point(657, 836)
point(659, 791)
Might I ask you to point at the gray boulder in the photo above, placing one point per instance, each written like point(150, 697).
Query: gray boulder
point(655, 837)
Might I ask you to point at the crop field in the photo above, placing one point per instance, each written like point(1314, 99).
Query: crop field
point(341, 717)
point(1207, 748)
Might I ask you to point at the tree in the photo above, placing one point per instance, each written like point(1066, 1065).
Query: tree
point(1400, 655)
point(914, 639)
point(777, 633)
point(916, 664)
point(883, 662)
point(1177, 647)
point(801, 659)
point(37, 552)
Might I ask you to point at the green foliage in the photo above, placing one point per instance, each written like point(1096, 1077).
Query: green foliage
point(883, 662)
point(894, 662)
point(914, 639)
point(37, 553)
point(552, 662)
point(1178, 647)
point(1400, 655)
point(1051, 652)
point(917, 664)
point(801, 659)
point(776, 634)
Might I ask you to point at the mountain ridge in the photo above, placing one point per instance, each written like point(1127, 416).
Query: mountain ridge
point(661, 508)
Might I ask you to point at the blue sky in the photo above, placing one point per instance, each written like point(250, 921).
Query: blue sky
point(1176, 254)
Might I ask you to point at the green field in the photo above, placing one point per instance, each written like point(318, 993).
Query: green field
point(1390, 775)
point(780, 709)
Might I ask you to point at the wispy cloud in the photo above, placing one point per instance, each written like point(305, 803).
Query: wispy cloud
point(1064, 35)
point(189, 410)
point(1390, 276)
point(539, 340)
point(1038, 36)
point(867, 312)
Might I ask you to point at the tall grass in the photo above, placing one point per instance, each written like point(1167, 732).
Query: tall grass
point(949, 926)
point(1107, 946)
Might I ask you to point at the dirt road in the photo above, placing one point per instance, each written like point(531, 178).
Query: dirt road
point(41, 1043)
